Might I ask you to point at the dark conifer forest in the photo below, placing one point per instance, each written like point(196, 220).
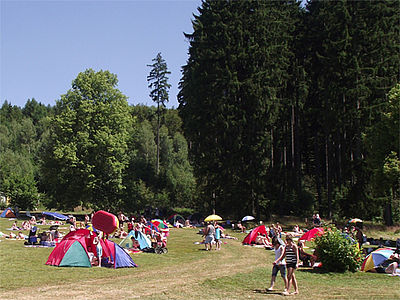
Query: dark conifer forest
point(284, 108)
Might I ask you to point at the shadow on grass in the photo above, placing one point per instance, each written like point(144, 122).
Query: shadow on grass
point(312, 270)
point(265, 292)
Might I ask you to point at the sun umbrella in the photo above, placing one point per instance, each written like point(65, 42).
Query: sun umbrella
point(159, 223)
point(376, 258)
point(248, 218)
point(356, 220)
point(309, 235)
point(91, 228)
point(213, 218)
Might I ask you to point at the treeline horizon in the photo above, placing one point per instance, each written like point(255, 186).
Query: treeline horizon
point(283, 109)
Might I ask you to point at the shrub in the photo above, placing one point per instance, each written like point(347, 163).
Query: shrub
point(337, 252)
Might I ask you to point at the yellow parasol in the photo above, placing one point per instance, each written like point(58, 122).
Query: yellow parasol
point(213, 218)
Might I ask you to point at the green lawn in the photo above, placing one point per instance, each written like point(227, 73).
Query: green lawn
point(186, 272)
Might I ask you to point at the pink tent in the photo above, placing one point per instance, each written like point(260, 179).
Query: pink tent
point(309, 235)
point(251, 237)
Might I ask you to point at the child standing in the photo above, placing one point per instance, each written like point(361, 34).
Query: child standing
point(291, 254)
point(217, 236)
point(99, 249)
point(278, 265)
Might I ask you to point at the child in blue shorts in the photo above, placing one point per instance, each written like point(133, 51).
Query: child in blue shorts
point(279, 266)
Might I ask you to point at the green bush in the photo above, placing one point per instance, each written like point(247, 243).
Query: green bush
point(337, 252)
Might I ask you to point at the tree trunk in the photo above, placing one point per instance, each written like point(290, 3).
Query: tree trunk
point(328, 178)
point(387, 214)
point(158, 138)
point(318, 173)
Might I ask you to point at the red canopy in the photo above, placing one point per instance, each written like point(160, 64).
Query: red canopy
point(251, 237)
point(309, 235)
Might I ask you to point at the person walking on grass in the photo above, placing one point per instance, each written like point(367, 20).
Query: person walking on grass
point(291, 254)
point(279, 266)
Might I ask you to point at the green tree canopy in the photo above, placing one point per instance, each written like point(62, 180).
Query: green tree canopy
point(86, 153)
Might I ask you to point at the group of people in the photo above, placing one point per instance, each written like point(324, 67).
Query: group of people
point(288, 257)
point(286, 262)
point(212, 235)
point(157, 237)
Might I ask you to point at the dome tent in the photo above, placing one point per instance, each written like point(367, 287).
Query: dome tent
point(74, 248)
point(144, 241)
point(251, 237)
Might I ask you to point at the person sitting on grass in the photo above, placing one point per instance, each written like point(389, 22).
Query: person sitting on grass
point(26, 225)
point(297, 230)
point(261, 239)
point(121, 233)
point(135, 244)
point(392, 267)
point(241, 227)
point(178, 224)
point(307, 259)
point(188, 225)
point(15, 227)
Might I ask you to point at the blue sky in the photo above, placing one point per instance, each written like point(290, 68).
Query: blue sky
point(45, 44)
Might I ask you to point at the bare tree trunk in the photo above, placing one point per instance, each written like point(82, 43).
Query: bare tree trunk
point(158, 138)
point(318, 173)
point(272, 148)
point(328, 178)
point(292, 136)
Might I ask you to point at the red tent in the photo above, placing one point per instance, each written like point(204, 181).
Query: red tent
point(251, 237)
point(309, 235)
point(74, 248)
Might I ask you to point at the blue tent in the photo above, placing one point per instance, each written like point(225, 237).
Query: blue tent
point(143, 240)
point(122, 259)
point(7, 213)
point(55, 215)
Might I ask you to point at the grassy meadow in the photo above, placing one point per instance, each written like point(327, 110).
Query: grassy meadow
point(186, 272)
